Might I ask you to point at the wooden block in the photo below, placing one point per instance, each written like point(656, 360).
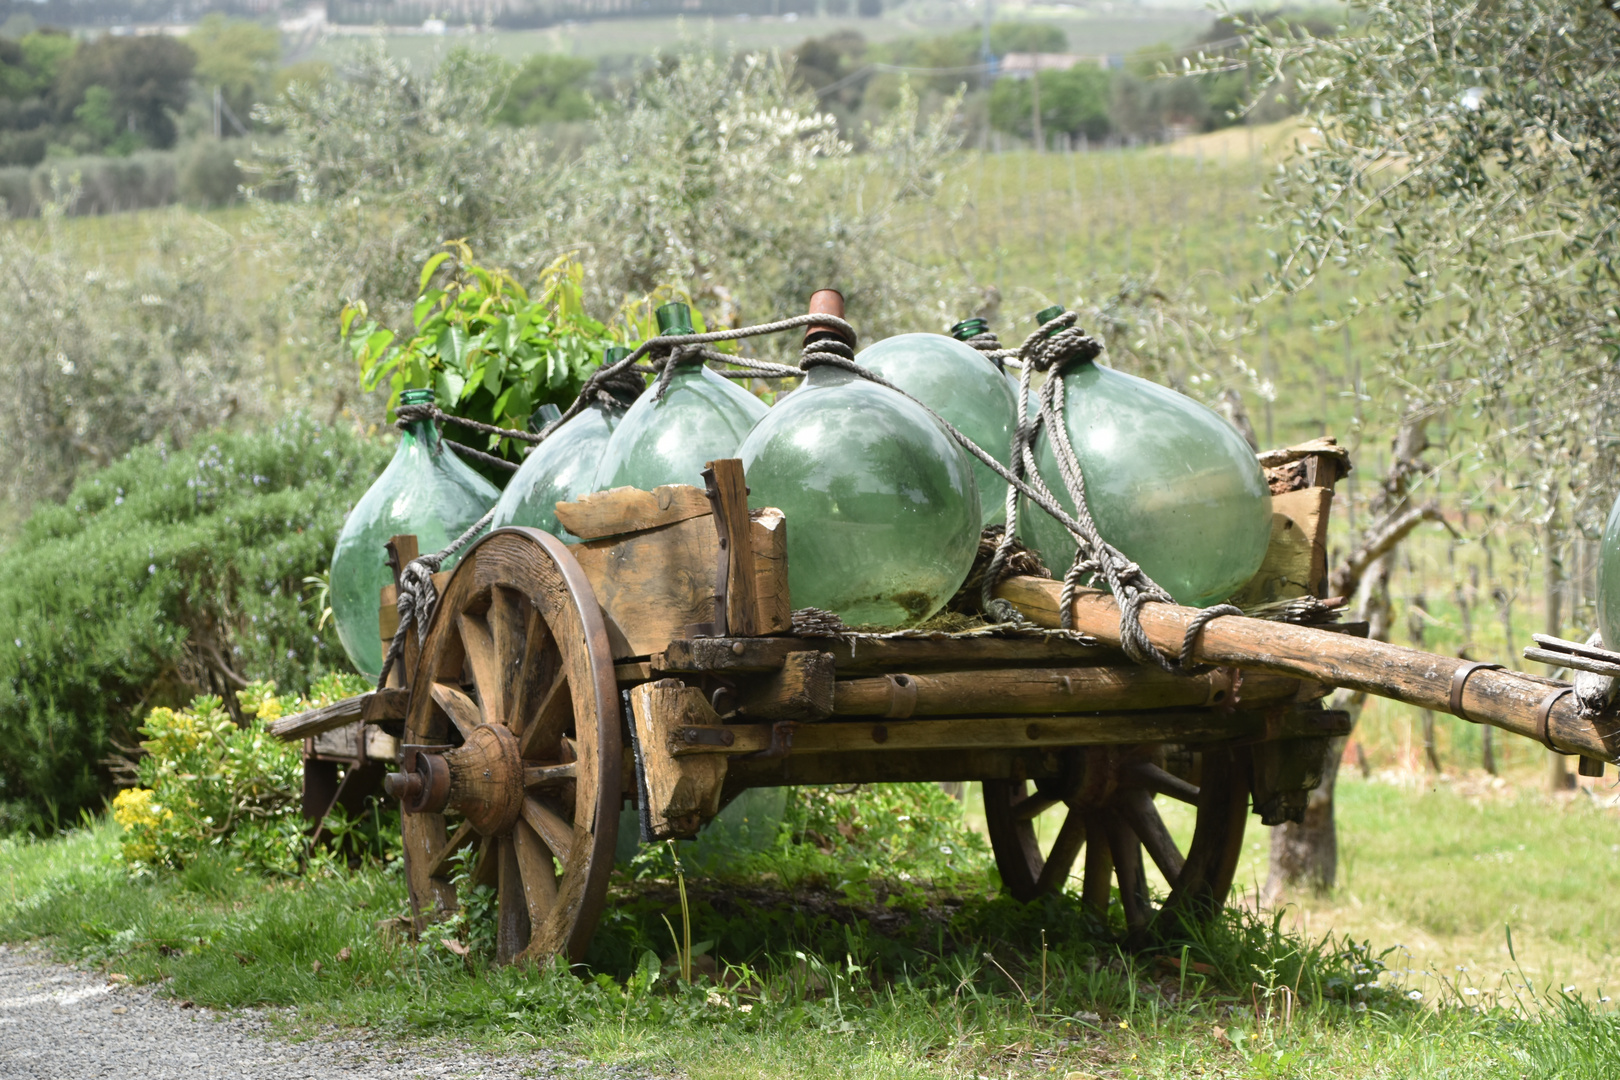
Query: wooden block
point(801, 689)
point(1296, 559)
point(389, 704)
point(682, 794)
point(774, 607)
point(628, 510)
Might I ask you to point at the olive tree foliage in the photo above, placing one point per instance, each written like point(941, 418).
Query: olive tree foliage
point(706, 174)
point(1464, 162)
point(99, 362)
point(1468, 153)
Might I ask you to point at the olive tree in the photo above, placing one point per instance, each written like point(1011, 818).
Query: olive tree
point(1466, 154)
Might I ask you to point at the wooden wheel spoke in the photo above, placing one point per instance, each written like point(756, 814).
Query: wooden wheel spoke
point(543, 775)
point(484, 873)
point(1127, 854)
point(461, 709)
point(550, 719)
point(533, 675)
point(1094, 889)
point(539, 874)
point(485, 663)
point(1060, 860)
point(1136, 807)
point(551, 828)
point(441, 862)
point(1163, 783)
point(507, 622)
point(512, 907)
point(1032, 807)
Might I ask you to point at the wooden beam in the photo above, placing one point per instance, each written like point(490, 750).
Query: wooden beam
point(1034, 691)
point(1505, 699)
point(1006, 732)
point(314, 721)
point(698, 655)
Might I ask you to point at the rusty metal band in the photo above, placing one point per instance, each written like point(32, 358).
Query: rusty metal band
point(1544, 715)
point(1459, 679)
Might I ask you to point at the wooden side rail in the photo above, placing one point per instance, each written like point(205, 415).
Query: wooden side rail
point(1536, 708)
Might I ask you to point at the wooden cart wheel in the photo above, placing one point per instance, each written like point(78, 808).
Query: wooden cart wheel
point(1109, 815)
point(513, 744)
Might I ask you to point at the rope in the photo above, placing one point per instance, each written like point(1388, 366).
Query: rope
point(417, 595)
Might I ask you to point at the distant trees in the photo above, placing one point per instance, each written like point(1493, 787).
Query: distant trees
point(547, 88)
point(239, 58)
point(1075, 102)
point(123, 92)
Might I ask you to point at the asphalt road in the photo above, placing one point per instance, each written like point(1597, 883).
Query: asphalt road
point(61, 1023)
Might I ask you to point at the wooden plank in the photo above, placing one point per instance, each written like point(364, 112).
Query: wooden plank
point(627, 510)
point(346, 742)
point(1504, 699)
point(698, 655)
point(1034, 691)
point(314, 721)
point(1011, 733)
point(730, 500)
point(1295, 564)
point(380, 746)
point(652, 585)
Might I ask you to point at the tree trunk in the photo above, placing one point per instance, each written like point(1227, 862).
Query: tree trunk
point(1559, 778)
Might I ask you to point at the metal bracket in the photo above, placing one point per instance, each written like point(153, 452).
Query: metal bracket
point(781, 743)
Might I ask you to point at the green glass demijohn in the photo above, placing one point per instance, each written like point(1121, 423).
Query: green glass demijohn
point(1608, 608)
point(882, 512)
point(1169, 483)
point(426, 491)
point(563, 468)
point(968, 329)
point(965, 387)
point(702, 417)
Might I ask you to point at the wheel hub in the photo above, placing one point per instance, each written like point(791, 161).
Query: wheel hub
point(482, 778)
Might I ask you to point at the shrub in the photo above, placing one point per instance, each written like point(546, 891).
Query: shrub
point(208, 784)
point(168, 574)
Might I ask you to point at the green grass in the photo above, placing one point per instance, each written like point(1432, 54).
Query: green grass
point(920, 997)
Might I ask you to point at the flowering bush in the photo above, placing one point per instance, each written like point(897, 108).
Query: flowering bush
point(208, 785)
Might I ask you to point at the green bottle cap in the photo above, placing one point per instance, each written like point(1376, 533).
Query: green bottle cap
point(675, 318)
point(614, 353)
point(416, 397)
point(970, 328)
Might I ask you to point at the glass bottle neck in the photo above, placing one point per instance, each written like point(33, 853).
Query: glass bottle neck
point(423, 433)
point(829, 375)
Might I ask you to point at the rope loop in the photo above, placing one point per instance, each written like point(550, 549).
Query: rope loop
point(1059, 344)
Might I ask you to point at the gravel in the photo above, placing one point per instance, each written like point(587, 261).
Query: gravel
point(61, 1023)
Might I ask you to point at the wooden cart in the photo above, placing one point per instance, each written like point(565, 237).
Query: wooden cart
point(655, 663)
